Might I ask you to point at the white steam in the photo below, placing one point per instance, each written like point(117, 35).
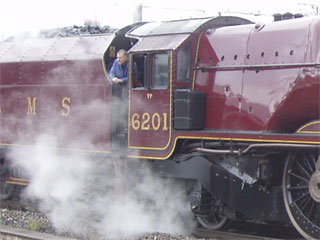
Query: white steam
point(83, 195)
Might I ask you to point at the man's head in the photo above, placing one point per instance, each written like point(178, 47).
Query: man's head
point(122, 57)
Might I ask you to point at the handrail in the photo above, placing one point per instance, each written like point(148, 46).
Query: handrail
point(257, 67)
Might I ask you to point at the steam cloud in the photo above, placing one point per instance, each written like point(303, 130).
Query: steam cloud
point(78, 195)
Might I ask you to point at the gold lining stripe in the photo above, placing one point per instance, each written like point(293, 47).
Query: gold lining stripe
point(19, 179)
point(196, 60)
point(309, 132)
point(224, 139)
point(129, 98)
point(17, 183)
point(307, 125)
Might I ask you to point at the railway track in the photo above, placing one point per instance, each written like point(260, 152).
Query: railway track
point(17, 205)
point(203, 233)
point(9, 233)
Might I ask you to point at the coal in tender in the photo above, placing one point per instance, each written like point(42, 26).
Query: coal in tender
point(76, 31)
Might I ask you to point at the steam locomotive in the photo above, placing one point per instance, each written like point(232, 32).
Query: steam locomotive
point(230, 107)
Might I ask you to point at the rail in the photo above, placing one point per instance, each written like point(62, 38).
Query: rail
point(9, 233)
point(203, 233)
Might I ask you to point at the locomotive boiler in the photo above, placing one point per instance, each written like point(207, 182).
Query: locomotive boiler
point(230, 107)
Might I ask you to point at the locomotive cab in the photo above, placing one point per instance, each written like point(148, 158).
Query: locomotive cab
point(160, 76)
point(162, 98)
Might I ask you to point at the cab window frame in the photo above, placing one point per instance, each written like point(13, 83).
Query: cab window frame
point(157, 73)
point(147, 68)
point(139, 82)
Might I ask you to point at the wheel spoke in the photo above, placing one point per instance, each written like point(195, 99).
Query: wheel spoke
point(305, 204)
point(308, 163)
point(298, 188)
point(314, 161)
point(297, 176)
point(301, 197)
point(309, 214)
point(304, 170)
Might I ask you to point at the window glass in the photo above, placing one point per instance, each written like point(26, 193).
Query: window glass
point(184, 63)
point(139, 70)
point(160, 76)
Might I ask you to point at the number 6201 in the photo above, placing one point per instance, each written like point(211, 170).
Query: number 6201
point(147, 122)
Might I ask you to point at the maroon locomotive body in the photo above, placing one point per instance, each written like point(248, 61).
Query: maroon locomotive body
point(55, 84)
point(230, 106)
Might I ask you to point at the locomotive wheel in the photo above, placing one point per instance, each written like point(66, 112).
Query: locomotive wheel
point(215, 221)
point(301, 192)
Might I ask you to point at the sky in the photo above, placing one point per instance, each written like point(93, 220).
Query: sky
point(18, 16)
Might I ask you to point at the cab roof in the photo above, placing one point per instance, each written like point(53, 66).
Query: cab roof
point(168, 27)
point(168, 35)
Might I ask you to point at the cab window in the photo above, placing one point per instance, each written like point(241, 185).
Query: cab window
point(160, 73)
point(184, 63)
point(139, 80)
point(153, 71)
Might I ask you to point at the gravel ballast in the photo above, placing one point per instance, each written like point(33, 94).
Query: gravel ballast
point(39, 222)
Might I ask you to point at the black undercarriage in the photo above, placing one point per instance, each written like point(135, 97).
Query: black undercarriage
point(230, 186)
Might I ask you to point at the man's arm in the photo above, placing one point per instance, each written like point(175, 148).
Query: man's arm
point(135, 72)
point(124, 80)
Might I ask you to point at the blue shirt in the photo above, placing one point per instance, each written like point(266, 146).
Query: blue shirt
point(120, 71)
